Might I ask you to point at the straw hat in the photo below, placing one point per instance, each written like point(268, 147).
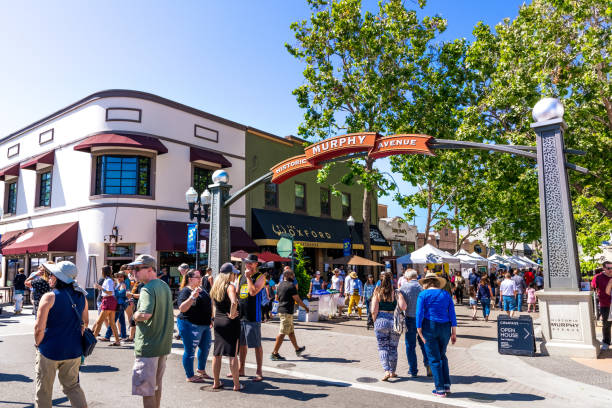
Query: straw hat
point(353, 275)
point(432, 275)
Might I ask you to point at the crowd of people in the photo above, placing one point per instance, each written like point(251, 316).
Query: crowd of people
point(231, 307)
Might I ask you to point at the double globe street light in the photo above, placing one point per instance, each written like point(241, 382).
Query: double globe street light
point(198, 208)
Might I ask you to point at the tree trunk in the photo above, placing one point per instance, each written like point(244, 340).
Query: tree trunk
point(458, 242)
point(367, 217)
point(428, 223)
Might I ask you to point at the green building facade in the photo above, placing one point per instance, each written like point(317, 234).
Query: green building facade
point(301, 207)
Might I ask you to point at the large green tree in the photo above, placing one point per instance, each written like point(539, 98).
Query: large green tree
point(557, 48)
point(359, 67)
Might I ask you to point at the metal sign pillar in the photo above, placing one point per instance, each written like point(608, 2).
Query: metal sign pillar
point(219, 249)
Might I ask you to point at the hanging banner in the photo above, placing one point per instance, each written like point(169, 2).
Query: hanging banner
point(339, 146)
point(192, 237)
point(291, 167)
point(401, 144)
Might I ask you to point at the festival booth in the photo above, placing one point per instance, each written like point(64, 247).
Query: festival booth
point(470, 262)
point(428, 257)
point(500, 261)
point(531, 263)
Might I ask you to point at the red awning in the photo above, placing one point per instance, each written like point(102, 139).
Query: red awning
point(172, 236)
point(267, 256)
point(117, 140)
point(196, 154)
point(60, 237)
point(45, 158)
point(12, 170)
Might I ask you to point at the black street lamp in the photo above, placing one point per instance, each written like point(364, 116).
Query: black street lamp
point(350, 221)
point(198, 208)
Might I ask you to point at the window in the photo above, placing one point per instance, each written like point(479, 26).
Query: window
point(123, 175)
point(44, 189)
point(11, 198)
point(346, 205)
point(325, 201)
point(202, 178)
point(300, 197)
point(271, 195)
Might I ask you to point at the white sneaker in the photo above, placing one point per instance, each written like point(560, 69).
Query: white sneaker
point(605, 346)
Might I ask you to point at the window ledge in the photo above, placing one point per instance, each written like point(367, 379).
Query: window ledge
point(100, 196)
point(42, 207)
point(8, 215)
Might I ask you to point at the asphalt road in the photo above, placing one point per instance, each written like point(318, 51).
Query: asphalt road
point(106, 380)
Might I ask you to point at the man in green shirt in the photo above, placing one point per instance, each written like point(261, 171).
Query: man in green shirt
point(154, 327)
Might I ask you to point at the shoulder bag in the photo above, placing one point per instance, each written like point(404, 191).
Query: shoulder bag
point(88, 340)
point(399, 321)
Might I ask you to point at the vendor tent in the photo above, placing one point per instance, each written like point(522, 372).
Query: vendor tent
point(427, 254)
point(529, 261)
point(498, 259)
point(471, 259)
point(354, 260)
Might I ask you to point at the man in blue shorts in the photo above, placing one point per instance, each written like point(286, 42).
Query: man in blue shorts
point(249, 298)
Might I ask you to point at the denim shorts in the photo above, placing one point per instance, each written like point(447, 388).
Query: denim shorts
point(250, 334)
point(509, 304)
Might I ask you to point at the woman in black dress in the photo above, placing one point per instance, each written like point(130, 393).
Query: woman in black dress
point(226, 324)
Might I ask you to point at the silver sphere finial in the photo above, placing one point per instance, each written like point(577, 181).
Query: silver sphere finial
point(547, 109)
point(220, 177)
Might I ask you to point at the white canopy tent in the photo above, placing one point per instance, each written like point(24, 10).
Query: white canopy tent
point(427, 254)
point(529, 261)
point(498, 259)
point(466, 258)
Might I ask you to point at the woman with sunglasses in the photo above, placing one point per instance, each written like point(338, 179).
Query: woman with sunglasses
point(194, 324)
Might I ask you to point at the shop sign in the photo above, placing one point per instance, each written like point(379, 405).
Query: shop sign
point(401, 144)
point(339, 146)
point(395, 229)
point(346, 248)
point(376, 145)
point(291, 167)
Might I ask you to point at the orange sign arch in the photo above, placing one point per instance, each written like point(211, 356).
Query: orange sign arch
point(374, 144)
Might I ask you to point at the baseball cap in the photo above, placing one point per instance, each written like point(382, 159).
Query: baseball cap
point(144, 260)
point(228, 267)
point(252, 258)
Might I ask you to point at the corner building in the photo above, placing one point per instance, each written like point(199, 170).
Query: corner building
point(104, 179)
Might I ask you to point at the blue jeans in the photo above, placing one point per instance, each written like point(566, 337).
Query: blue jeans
point(486, 306)
point(509, 304)
point(120, 316)
point(519, 301)
point(437, 336)
point(193, 336)
point(411, 339)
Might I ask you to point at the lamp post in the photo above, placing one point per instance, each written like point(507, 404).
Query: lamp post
point(350, 221)
point(198, 208)
point(220, 200)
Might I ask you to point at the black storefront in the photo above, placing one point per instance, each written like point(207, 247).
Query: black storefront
point(322, 238)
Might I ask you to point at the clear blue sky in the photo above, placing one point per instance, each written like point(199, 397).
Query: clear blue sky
point(224, 57)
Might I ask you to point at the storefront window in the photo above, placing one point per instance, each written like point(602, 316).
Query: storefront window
point(271, 192)
point(300, 197)
point(399, 248)
point(35, 262)
point(325, 200)
point(69, 258)
point(11, 198)
point(346, 205)
point(12, 265)
point(44, 189)
point(123, 175)
point(120, 251)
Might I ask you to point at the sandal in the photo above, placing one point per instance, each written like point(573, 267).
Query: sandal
point(239, 388)
point(115, 344)
point(195, 379)
point(203, 375)
point(100, 338)
point(257, 378)
point(217, 388)
point(386, 377)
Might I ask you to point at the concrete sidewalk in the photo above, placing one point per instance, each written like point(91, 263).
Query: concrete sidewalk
point(344, 352)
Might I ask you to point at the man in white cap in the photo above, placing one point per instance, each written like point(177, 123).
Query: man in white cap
point(154, 327)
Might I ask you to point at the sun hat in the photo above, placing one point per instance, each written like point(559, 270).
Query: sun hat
point(65, 271)
point(353, 275)
point(252, 258)
point(432, 275)
point(120, 273)
point(144, 260)
point(228, 267)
